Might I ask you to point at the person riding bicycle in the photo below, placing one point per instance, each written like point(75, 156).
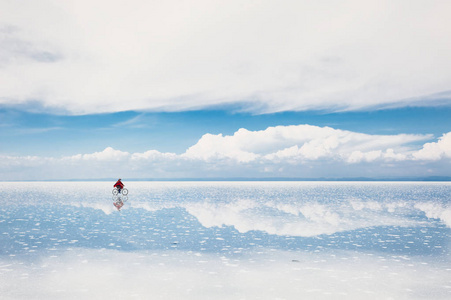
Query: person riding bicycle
point(119, 185)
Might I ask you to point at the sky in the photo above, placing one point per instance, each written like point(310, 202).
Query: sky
point(213, 89)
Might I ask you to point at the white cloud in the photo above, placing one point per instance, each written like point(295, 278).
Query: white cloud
point(109, 154)
point(435, 150)
point(211, 147)
point(358, 156)
point(302, 142)
point(302, 150)
point(152, 155)
point(107, 56)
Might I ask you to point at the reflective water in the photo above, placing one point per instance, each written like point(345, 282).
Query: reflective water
point(226, 240)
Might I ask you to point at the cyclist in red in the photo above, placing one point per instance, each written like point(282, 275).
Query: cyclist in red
point(119, 185)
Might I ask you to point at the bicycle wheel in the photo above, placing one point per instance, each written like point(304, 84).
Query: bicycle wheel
point(124, 192)
point(115, 198)
point(124, 198)
point(115, 192)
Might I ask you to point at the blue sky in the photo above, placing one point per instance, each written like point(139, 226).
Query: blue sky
point(43, 134)
point(212, 89)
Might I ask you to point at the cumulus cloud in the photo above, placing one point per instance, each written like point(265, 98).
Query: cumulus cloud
point(301, 150)
point(435, 150)
point(152, 155)
point(302, 142)
point(107, 56)
point(109, 154)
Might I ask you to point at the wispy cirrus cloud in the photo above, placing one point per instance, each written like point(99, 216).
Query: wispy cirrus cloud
point(109, 56)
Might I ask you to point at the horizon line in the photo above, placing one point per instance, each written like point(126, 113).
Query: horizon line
point(394, 179)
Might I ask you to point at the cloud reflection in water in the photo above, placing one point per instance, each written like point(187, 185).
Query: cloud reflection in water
point(226, 240)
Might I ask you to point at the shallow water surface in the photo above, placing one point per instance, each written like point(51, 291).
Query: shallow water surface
point(226, 240)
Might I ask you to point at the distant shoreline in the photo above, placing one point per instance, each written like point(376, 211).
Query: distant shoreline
point(241, 179)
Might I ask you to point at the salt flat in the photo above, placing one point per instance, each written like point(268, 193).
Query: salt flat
point(226, 240)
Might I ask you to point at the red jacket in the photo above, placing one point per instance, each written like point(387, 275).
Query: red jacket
point(119, 184)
